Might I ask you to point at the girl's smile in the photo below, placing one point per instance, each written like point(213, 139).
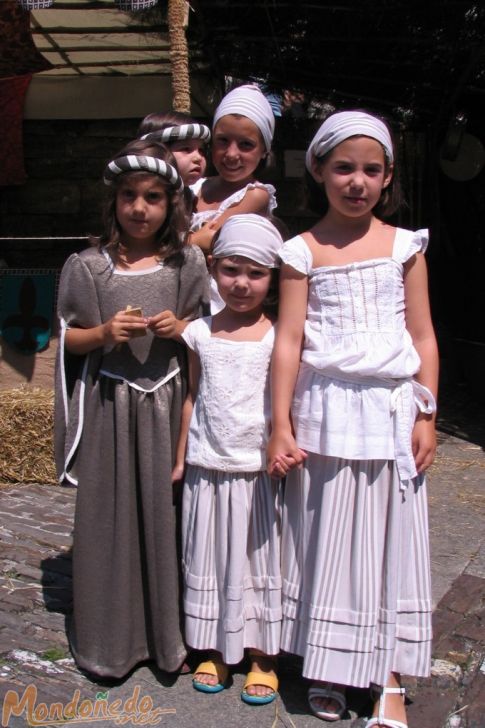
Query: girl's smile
point(141, 208)
point(237, 148)
point(354, 175)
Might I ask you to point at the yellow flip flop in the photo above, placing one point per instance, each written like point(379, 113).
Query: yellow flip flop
point(260, 678)
point(211, 667)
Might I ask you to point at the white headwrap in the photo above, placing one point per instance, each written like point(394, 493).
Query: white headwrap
point(339, 127)
point(250, 236)
point(250, 102)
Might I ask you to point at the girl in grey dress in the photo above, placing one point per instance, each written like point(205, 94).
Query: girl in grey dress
point(120, 388)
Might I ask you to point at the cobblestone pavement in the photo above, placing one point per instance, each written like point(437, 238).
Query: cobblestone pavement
point(35, 539)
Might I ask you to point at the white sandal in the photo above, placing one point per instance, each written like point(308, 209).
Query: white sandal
point(327, 692)
point(381, 720)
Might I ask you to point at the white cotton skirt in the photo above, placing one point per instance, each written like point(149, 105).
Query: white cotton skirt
point(356, 572)
point(231, 527)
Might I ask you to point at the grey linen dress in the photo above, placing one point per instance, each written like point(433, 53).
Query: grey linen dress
point(117, 423)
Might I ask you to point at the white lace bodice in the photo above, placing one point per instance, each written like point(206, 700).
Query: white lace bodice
point(355, 322)
point(229, 425)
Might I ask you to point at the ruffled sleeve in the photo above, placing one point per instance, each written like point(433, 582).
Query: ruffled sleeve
point(235, 198)
point(408, 243)
point(196, 331)
point(295, 252)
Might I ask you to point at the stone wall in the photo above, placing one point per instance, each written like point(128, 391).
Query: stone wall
point(64, 161)
point(62, 196)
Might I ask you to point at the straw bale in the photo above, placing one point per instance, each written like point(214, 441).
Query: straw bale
point(26, 436)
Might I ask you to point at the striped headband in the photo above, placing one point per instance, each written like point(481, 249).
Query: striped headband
point(343, 125)
point(141, 162)
point(179, 133)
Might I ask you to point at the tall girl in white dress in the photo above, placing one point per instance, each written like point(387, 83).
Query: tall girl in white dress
point(231, 506)
point(354, 308)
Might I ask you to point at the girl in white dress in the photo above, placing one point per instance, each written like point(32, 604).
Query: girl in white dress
point(231, 506)
point(242, 133)
point(354, 309)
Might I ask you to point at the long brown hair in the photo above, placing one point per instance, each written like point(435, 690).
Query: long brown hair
point(170, 238)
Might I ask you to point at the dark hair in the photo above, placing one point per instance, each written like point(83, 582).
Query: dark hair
point(170, 237)
point(271, 302)
point(391, 197)
point(157, 122)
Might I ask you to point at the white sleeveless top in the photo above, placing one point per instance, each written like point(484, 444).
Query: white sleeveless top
point(355, 397)
point(229, 426)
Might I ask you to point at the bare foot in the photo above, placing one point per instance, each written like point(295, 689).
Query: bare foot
point(394, 708)
point(331, 705)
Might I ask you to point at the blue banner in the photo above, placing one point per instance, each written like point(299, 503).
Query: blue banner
point(27, 309)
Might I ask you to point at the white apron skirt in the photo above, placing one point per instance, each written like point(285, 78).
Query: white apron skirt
point(356, 571)
point(231, 525)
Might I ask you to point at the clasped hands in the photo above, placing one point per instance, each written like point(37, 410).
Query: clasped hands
point(126, 325)
point(283, 455)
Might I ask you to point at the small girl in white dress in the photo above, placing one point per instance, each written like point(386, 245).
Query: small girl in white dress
point(231, 506)
point(354, 309)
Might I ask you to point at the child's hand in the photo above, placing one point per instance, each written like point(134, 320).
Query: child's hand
point(281, 464)
point(423, 442)
point(178, 472)
point(203, 237)
point(122, 327)
point(283, 454)
point(166, 325)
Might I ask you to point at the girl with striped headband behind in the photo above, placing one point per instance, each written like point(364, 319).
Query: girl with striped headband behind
point(187, 140)
point(354, 380)
point(119, 392)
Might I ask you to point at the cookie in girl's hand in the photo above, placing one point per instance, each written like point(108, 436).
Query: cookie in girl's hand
point(136, 311)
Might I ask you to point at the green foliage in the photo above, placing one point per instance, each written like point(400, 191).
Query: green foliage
point(53, 654)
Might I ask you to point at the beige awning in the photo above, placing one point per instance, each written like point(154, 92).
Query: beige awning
point(104, 64)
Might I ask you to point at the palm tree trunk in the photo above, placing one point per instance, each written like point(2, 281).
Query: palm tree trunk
point(179, 56)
